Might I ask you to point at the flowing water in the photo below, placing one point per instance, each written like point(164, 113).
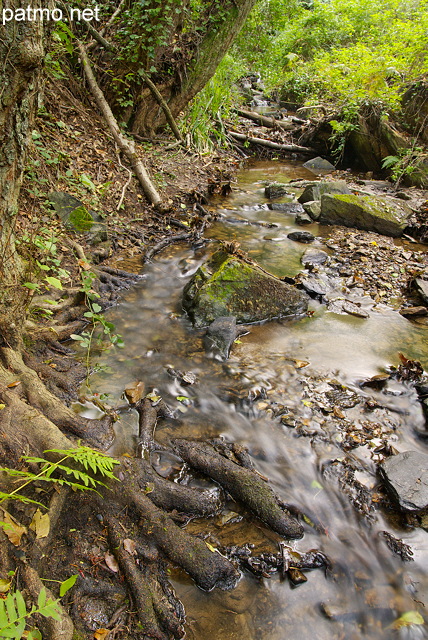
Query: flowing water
point(267, 376)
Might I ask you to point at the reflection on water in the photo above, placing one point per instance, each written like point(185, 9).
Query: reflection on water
point(367, 588)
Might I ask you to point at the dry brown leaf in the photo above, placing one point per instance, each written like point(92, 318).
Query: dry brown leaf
point(130, 546)
point(101, 634)
point(111, 562)
point(13, 529)
point(40, 524)
point(134, 392)
point(14, 384)
point(84, 265)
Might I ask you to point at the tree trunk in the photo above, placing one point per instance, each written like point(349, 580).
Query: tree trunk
point(185, 84)
point(21, 53)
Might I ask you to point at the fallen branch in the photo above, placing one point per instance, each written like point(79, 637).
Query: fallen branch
point(165, 243)
point(268, 143)
point(126, 146)
point(265, 121)
point(147, 418)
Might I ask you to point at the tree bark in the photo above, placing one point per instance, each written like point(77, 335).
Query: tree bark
point(21, 55)
point(183, 85)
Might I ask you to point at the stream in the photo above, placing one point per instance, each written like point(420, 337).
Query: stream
point(278, 376)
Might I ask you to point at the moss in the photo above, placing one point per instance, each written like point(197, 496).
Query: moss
point(81, 219)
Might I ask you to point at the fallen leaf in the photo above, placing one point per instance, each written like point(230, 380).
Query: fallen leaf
point(130, 546)
point(210, 547)
point(13, 529)
point(4, 585)
point(111, 562)
point(134, 392)
point(101, 634)
point(2, 406)
point(407, 619)
point(14, 384)
point(40, 524)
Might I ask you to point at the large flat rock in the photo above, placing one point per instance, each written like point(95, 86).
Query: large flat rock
point(406, 477)
point(370, 213)
point(227, 285)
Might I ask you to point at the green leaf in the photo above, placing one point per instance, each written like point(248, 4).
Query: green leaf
point(41, 600)
point(407, 619)
point(31, 285)
point(20, 603)
point(54, 282)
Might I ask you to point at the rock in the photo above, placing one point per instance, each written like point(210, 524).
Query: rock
point(370, 213)
point(313, 209)
point(303, 218)
point(301, 236)
point(314, 257)
point(220, 336)
point(354, 310)
point(75, 215)
point(315, 190)
point(406, 478)
point(286, 207)
point(227, 285)
point(275, 190)
point(402, 195)
point(421, 287)
point(319, 165)
point(317, 285)
point(413, 312)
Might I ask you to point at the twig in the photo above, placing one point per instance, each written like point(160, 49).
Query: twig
point(127, 183)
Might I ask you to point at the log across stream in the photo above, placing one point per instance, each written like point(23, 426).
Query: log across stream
point(291, 392)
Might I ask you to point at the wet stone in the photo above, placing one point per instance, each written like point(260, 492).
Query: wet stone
point(317, 285)
point(319, 165)
point(406, 478)
point(314, 257)
point(313, 209)
point(286, 207)
point(421, 286)
point(220, 336)
point(301, 236)
point(274, 190)
point(303, 218)
point(412, 312)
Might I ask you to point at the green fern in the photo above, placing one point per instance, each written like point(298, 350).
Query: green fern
point(91, 460)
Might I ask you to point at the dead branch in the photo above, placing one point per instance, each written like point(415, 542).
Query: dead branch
point(126, 146)
point(179, 237)
point(265, 121)
point(295, 148)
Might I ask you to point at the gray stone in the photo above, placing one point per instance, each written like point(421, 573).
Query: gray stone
point(275, 190)
point(287, 207)
point(313, 209)
point(220, 336)
point(228, 285)
point(76, 216)
point(303, 218)
point(315, 190)
point(314, 257)
point(406, 478)
point(370, 213)
point(412, 312)
point(317, 285)
point(301, 236)
point(319, 165)
point(421, 287)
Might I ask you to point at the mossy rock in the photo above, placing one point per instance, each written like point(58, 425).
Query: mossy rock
point(227, 285)
point(370, 213)
point(81, 220)
point(315, 190)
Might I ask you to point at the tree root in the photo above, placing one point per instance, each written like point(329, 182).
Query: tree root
point(242, 484)
point(208, 569)
point(159, 611)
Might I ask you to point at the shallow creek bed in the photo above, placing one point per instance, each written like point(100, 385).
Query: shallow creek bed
point(317, 404)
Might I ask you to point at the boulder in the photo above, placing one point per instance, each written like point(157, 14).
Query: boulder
point(315, 190)
point(275, 190)
point(301, 236)
point(228, 285)
point(386, 216)
point(314, 257)
point(302, 219)
point(286, 207)
point(406, 478)
point(313, 209)
point(220, 336)
point(319, 165)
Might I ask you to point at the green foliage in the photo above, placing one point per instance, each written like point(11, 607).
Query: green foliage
point(203, 124)
point(348, 50)
point(404, 164)
point(87, 463)
point(14, 614)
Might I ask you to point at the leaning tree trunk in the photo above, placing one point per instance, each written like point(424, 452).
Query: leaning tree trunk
point(179, 91)
point(21, 55)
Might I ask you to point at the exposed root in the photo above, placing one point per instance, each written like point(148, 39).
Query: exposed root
point(159, 611)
